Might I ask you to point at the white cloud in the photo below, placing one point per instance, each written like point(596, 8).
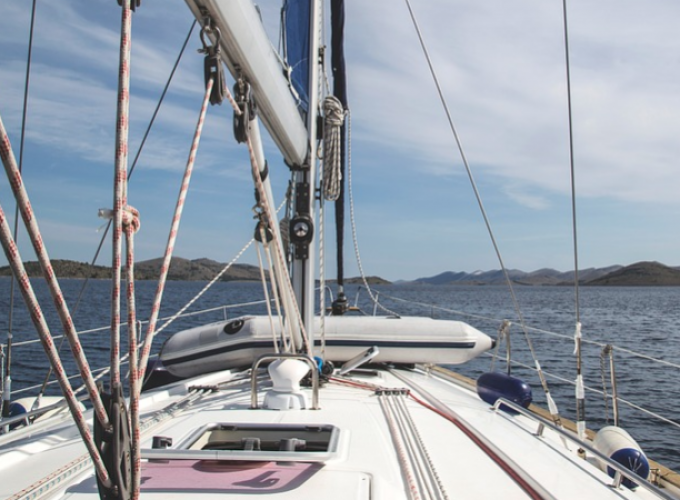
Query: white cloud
point(501, 66)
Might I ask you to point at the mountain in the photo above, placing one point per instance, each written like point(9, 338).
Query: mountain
point(640, 274)
point(196, 270)
point(65, 269)
point(180, 270)
point(554, 277)
point(495, 277)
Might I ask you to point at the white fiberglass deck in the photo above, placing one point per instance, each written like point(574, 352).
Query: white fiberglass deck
point(363, 462)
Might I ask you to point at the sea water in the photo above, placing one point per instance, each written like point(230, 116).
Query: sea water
point(641, 320)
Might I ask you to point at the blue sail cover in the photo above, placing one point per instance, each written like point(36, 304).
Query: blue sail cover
point(296, 47)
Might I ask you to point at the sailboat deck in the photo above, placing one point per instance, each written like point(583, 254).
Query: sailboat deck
point(363, 460)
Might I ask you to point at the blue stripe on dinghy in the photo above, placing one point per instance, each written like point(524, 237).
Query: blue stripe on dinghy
point(340, 343)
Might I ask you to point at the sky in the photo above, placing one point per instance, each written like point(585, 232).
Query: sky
point(501, 65)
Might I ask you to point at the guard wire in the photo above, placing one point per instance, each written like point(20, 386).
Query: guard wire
point(473, 184)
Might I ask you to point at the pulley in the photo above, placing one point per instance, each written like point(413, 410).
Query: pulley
point(263, 229)
point(244, 99)
point(212, 65)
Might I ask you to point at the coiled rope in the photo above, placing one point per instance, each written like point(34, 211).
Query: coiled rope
point(334, 116)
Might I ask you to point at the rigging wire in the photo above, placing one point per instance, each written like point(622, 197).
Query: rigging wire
point(322, 268)
point(551, 404)
point(7, 381)
point(580, 393)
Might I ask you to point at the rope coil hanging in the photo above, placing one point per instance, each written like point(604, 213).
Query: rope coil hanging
point(334, 118)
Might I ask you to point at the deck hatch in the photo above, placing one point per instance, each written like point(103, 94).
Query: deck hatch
point(257, 442)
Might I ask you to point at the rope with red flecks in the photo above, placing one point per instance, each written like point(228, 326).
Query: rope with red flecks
point(138, 367)
point(37, 317)
point(172, 237)
point(131, 225)
point(33, 230)
point(123, 220)
point(120, 183)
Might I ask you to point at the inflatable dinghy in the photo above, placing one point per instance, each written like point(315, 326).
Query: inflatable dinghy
point(238, 342)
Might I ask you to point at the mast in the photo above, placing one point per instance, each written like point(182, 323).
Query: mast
point(302, 224)
point(250, 57)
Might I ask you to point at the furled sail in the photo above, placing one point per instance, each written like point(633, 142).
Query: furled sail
point(296, 48)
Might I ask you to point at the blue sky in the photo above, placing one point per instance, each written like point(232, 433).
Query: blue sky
point(501, 65)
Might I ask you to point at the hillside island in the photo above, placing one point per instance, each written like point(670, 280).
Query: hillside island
point(638, 274)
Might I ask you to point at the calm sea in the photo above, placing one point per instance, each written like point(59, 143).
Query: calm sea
point(642, 320)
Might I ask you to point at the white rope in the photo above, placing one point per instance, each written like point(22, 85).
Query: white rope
point(334, 116)
point(286, 328)
point(265, 290)
point(398, 441)
point(205, 288)
point(30, 220)
point(287, 340)
point(436, 488)
point(37, 317)
point(322, 275)
point(209, 285)
point(285, 282)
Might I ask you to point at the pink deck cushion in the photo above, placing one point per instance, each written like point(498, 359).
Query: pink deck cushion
point(241, 476)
